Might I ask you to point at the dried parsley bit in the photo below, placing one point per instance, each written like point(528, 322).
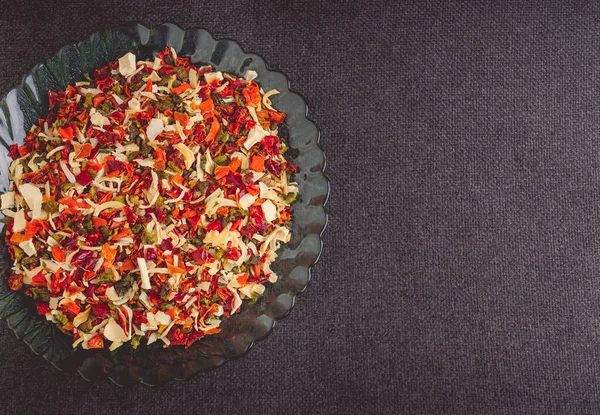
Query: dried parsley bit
point(150, 203)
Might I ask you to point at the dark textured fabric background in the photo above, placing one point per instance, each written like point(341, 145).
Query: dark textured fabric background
point(461, 265)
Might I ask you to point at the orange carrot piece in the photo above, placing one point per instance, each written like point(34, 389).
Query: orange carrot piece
point(253, 190)
point(236, 225)
point(93, 165)
point(84, 151)
point(182, 117)
point(223, 211)
point(98, 221)
point(252, 95)
point(177, 179)
point(71, 306)
point(207, 108)
point(214, 129)
point(221, 172)
point(122, 234)
point(127, 265)
point(174, 269)
point(257, 163)
point(160, 159)
point(17, 238)
point(180, 89)
point(235, 164)
point(243, 279)
point(256, 270)
point(32, 228)
point(108, 254)
point(58, 253)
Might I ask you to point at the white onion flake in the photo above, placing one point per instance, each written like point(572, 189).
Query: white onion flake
point(144, 274)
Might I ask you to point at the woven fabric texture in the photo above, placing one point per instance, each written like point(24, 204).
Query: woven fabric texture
point(461, 263)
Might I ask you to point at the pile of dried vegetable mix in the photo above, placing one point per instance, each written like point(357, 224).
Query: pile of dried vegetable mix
point(149, 203)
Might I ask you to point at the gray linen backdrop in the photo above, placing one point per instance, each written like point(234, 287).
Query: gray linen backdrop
point(461, 264)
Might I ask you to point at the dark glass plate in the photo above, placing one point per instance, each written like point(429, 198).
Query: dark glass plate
point(23, 105)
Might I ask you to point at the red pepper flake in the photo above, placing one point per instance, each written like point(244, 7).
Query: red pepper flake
point(100, 310)
point(252, 95)
point(13, 151)
point(66, 132)
point(201, 256)
point(39, 280)
point(215, 226)
point(234, 254)
point(42, 308)
point(96, 342)
point(84, 178)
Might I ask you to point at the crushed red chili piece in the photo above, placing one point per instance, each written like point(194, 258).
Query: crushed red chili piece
point(149, 203)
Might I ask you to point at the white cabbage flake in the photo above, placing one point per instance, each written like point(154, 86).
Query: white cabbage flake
point(33, 197)
point(28, 247)
point(144, 274)
point(127, 64)
point(246, 201)
point(255, 136)
point(98, 119)
point(270, 210)
point(212, 76)
point(188, 155)
point(155, 127)
point(250, 75)
point(19, 221)
point(8, 200)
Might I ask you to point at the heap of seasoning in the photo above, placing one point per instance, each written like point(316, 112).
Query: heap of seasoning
point(149, 203)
